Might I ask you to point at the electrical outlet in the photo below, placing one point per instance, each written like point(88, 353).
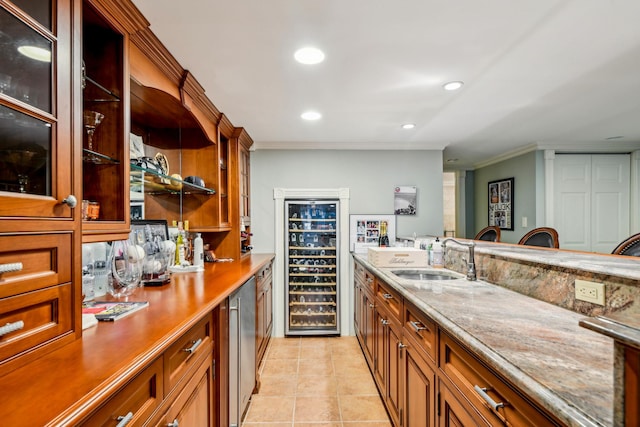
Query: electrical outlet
point(590, 291)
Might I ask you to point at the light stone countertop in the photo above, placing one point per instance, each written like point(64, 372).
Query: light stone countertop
point(537, 346)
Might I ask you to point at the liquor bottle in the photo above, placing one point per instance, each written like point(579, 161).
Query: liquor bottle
point(179, 246)
point(383, 240)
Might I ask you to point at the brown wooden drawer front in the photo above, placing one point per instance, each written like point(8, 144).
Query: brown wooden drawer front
point(180, 358)
point(264, 274)
point(466, 372)
point(137, 400)
point(370, 282)
point(46, 314)
point(390, 299)
point(46, 261)
point(422, 330)
point(358, 272)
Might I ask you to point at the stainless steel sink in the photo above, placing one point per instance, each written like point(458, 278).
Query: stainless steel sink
point(424, 275)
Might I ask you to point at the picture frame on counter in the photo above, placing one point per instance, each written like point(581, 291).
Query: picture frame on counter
point(500, 198)
point(364, 231)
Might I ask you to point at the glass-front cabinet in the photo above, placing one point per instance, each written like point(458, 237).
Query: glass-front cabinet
point(39, 185)
point(35, 133)
point(105, 154)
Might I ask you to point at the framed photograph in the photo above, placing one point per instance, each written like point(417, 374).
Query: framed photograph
point(405, 199)
point(501, 203)
point(364, 231)
point(151, 235)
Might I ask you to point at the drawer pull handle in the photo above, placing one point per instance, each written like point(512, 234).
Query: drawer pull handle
point(387, 296)
point(11, 327)
point(124, 420)
point(401, 346)
point(12, 266)
point(372, 305)
point(418, 326)
point(369, 280)
point(488, 399)
point(384, 322)
point(175, 423)
point(193, 348)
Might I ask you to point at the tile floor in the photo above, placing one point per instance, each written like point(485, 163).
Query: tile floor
point(316, 382)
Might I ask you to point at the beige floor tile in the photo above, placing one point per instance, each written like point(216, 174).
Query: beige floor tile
point(317, 343)
point(315, 367)
point(316, 385)
point(366, 424)
point(362, 408)
point(276, 367)
point(278, 385)
point(350, 371)
point(267, 424)
point(284, 352)
point(356, 385)
point(270, 409)
point(316, 408)
point(308, 352)
point(318, 424)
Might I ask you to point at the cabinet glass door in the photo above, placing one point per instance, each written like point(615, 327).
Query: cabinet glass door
point(35, 134)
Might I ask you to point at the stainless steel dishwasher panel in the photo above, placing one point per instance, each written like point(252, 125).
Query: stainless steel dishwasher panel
point(242, 351)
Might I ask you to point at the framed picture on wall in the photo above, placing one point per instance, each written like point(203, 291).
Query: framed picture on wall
point(501, 203)
point(364, 231)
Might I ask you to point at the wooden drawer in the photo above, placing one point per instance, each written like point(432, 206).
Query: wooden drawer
point(180, 358)
point(421, 330)
point(45, 315)
point(390, 299)
point(472, 379)
point(358, 272)
point(46, 261)
point(136, 401)
point(264, 274)
point(370, 282)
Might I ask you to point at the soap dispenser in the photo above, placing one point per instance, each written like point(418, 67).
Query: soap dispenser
point(438, 255)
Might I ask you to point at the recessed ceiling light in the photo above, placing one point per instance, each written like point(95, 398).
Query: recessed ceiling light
point(311, 115)
point(453, 85)
point(309, 55)
point(37, 53)
point(408, 126)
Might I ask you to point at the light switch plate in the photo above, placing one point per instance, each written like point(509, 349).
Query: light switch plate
point(524, 222)
point(590, 291)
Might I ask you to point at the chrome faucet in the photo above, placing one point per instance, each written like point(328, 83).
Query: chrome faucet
point(471, 264)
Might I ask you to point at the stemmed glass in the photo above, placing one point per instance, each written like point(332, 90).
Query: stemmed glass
point(91, 121)
point(126, 268)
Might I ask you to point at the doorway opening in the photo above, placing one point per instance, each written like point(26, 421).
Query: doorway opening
point(449, 203)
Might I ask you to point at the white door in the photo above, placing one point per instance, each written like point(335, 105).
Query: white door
point(591, 201)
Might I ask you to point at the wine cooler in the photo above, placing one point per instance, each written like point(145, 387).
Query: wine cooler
point(311, 288)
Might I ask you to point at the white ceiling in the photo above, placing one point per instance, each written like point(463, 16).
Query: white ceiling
point(538, 73)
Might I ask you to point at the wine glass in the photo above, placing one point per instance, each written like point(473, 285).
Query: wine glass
point(91, 121)
point(126, 260)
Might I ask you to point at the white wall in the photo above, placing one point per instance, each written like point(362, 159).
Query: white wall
point(370, 177)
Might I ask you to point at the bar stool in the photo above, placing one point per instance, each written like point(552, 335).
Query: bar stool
point(546, 237)
point(489, 234)
point(629, 246)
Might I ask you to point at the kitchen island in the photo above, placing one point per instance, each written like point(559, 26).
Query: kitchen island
point(71, 384)
point(537, 347)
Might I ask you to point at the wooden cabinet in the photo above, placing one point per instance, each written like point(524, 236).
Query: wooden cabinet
point(482, 391)
point(388, 349)
point(134, 403)
point(427, 378)
point(105, 145)
point(178, 385)
point(40, 183)
point(264, 310)
point(631, 385)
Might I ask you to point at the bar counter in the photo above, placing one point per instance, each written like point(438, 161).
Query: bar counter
point(72, 381)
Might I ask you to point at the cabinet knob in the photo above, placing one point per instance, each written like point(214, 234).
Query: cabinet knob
point(175, 423)
point(70, 201)
point(401, 345)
